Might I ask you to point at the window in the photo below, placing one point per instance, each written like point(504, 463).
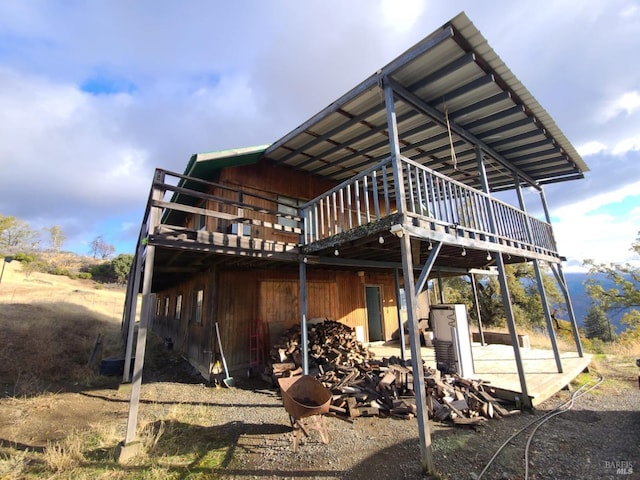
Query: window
point(198, 300)
point(166, 306)
point(288, 206)
point(178, 307)
point(199, 222)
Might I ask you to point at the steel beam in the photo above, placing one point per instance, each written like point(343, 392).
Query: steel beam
point(539, 280)
point(403, 346)
point(474, 287)
point(394, 145)
point(511, 325)
point(426, 453)
point(434, 114)
point(428, 265)
point(425, 45)
point(148, 301)
point(565, 291)
point(303, 316)
point(504, 288)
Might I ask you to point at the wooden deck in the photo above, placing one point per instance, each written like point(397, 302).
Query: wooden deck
point(496, 365)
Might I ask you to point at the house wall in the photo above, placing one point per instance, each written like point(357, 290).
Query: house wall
point(265, 180)
point(235, 299)
point(268, 181)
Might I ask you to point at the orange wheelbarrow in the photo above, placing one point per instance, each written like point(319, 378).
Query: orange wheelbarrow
point(306, 400)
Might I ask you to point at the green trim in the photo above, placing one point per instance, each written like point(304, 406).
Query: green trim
point(205, 166)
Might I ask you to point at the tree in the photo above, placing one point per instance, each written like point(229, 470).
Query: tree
point(624, 295)
point(121, 266)
point(597, 325)
point(56, 237)
point(16, 234)
point(523, 288)
point(117, 270)
point(100, 248)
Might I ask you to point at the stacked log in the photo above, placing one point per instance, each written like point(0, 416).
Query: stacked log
point(364, 386)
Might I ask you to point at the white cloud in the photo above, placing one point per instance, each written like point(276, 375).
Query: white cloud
point(204, 84)
point(627, 145)
point(591, 148)
point(628, 102)
point(401, 16)
point(629, 11)
point(584, 233)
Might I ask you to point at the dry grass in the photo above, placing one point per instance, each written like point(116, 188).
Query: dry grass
point(48, 325)
point(65, 455)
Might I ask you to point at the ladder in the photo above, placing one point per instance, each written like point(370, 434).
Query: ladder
point(256, 345)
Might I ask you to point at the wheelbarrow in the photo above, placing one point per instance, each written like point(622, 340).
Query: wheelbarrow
point(306, 400)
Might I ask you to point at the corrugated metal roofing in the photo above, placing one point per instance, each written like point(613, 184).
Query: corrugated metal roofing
point(453, 75)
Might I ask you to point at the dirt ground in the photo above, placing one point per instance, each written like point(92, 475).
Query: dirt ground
point(250, 431)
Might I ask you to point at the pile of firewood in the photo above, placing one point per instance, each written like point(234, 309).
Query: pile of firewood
point(364, 386)
point(330, 343)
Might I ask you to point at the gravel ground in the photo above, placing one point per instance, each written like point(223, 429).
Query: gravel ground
point(598, 438)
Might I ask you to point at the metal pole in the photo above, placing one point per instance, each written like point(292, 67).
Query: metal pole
point(394, 145)
point(502, 277)
point(403, 346)
point(511, 324)
point(133, 306)
point(148, 301)
point(426, 453)
point(565, 291)
point(5, 260)
point(440, 287)
point(539, 280)
point(547, 315)
point(303, 316)
point(477, 304)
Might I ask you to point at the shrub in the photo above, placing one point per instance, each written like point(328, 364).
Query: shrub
point(25, 257)
point(84, 275)
point(60, 271)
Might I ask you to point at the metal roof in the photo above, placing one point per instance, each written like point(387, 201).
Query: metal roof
point(451, 88)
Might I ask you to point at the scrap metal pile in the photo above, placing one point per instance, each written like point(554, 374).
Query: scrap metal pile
point(364, 386)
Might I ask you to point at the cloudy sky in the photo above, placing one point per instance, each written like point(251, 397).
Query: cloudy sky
point(95, 95)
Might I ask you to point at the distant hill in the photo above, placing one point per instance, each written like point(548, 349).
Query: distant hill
point(582, 302)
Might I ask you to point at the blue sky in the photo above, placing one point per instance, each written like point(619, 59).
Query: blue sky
point(95, 95)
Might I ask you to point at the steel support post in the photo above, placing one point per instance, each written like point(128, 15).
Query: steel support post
point(474, 288)
point(426, 453)
point(148, 301)
point(303, 316)
point(506, 297)
point(539, 279)
point(565, 291)
point(392, 126)
point(403, 345)
point(511, 324)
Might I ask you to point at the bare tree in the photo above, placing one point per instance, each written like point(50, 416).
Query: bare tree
point(56, 237)
point(101, 249)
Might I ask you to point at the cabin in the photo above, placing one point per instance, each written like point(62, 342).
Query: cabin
point(415, 174)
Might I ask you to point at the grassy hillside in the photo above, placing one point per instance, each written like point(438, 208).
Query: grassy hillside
point(48, 325)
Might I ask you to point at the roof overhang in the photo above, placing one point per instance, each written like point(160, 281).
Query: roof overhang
point(451, 89)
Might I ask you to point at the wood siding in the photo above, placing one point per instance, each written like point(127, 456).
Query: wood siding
point(262, 180)
point(242, 297)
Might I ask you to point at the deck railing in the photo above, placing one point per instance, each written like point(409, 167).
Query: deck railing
point(370, 196)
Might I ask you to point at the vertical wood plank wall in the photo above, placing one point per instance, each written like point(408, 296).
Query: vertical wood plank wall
point(243, 297)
